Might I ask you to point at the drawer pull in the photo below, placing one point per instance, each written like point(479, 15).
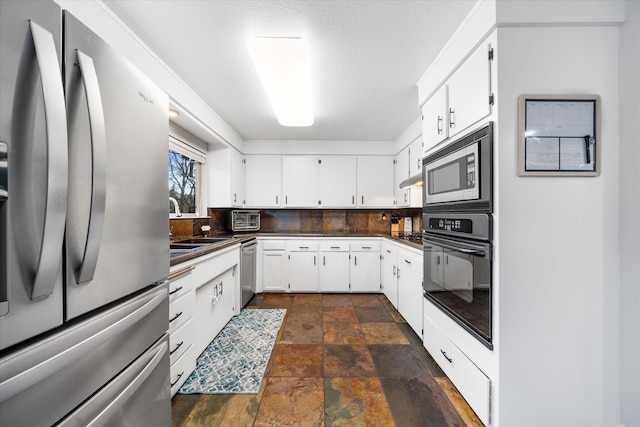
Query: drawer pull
point(176, 349)
point(446, 357)
point(177, 379)
point(175, 290)
point(366, 247)
point(335, 247)
point(303, 247)
point(407, 261)
point(388, 251)
point(175, 317)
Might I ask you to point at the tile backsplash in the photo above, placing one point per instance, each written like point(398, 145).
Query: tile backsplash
point(369, 221)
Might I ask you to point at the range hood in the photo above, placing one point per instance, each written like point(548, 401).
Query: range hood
point(414, 181)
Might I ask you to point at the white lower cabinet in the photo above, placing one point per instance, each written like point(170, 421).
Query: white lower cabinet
point(203, 291)
point(302, 262)
point(334, 266)
point(214, 307)
point(472, 383)
point(388, 276)
point(273, 265)
point(409, 274)
point(364, 270)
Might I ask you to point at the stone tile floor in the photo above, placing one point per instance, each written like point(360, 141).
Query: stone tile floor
point(339, 360)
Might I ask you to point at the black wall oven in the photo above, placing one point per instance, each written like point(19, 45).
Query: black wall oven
point(457, 232)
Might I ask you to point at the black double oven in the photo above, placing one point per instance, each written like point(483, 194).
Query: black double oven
point(457, 231)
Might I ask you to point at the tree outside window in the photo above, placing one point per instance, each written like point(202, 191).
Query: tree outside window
point(183, 181)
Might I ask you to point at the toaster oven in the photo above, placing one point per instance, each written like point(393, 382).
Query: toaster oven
point(244, 220)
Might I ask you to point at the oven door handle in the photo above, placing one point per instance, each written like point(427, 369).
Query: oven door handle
point(475, 252)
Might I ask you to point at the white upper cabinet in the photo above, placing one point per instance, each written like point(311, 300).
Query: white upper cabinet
point(435, 124)
point(463, 100)
point(337, 182)
point(300, 181)
point(470, 90)
point(226, 178)
point(263, 176)
point(375, 181)
point(415, 157)
point(401, 172)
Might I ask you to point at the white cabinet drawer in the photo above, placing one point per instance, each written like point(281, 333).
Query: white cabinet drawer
point(334, 246)
point(302, 245)
point(365, 247)
point(469, 380)
point(181, 369)
point(411, 261)
point(180, 341)
point(180, 311)
point(181, 283)
point(273, 245)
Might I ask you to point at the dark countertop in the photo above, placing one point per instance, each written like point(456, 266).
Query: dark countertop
point(242, 238)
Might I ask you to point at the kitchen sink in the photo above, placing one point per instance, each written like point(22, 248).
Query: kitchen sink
point(188, 247)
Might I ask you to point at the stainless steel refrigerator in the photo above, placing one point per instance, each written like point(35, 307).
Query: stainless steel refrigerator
point(83, 228)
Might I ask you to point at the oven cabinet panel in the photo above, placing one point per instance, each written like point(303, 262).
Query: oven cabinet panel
point(472, 383)
point(334, 266)
point(302, 266)
point(388, 272)
point(409, 273)
point(364, 271)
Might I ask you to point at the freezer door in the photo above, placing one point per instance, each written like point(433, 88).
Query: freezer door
point(117, 222)
point(42, 383)
point(138, 397)
point(34, 167)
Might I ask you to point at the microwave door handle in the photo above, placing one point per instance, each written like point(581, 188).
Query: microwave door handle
point(57, 162)
point(99, 175)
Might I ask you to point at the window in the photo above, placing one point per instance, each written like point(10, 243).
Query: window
point(185, 177)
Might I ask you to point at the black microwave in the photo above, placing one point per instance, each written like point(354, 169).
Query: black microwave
point(459, 177)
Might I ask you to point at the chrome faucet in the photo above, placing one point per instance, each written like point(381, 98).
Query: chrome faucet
point(175, 205)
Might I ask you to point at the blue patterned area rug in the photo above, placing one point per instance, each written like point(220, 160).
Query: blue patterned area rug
point(237, 358)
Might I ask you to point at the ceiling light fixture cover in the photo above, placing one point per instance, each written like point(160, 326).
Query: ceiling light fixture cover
point(284, 69)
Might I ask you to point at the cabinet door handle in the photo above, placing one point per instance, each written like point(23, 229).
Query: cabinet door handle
point(276, 199)
point(175, 317)
point(314, 260)
point(355, 260)
point(324, 260)
point(176, 349)
point(235, 197)
point(177, 379)
point(363, 200)
point(450, 360)
point(286, 200)
point(439, 125)
point(452, 118)
point(398, 272)
point(353, 200)
point(394, 270)
point(419, 163)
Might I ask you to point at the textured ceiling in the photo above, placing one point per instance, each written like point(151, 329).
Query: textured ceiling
point(367, 57)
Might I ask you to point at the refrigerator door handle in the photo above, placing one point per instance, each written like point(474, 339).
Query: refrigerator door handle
point(37, 373)
point(57, 162)
point(99, 167)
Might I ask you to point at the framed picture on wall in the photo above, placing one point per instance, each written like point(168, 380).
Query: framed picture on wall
point(559, 135)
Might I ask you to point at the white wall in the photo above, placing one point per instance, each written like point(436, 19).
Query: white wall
point(557, 245)
point(629, 215)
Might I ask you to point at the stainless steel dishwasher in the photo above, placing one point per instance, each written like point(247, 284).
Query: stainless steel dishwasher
point(248, 270)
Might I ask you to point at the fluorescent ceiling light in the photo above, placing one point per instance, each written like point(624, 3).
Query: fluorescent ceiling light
point(284, 69)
